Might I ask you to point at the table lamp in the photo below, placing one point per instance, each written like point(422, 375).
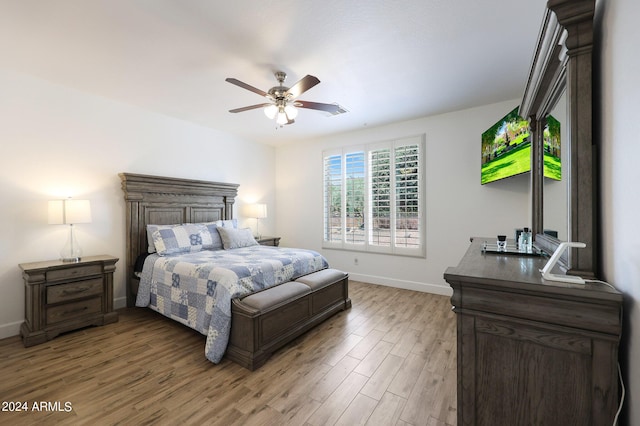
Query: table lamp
point(70, 212)
point(257, 211)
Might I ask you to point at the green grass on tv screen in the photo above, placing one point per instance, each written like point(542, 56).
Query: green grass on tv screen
point(552, 167)
point(514, 163)
point(518, 162)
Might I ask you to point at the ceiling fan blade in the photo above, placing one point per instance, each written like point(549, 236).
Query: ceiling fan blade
point(247, 108)
point(334, 109)
point(302, 86)
point(246, 86)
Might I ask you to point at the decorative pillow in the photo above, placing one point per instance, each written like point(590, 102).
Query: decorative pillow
point(172, 239)
point(236, 238)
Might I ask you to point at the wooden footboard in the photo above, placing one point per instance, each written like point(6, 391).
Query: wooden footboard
point(265, 321)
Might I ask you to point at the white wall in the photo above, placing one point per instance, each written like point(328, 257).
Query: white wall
point(458, 207)
point(58, 142)
point(618, 35)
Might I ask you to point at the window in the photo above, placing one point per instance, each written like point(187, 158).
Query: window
point(374, 196)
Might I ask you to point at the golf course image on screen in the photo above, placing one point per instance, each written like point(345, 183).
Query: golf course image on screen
point(506, 148)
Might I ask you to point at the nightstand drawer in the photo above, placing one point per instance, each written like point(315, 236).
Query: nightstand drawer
point(74, 272)
point(75, 290)
point(74, 310)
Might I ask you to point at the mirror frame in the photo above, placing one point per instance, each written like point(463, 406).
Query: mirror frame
point(563, 61)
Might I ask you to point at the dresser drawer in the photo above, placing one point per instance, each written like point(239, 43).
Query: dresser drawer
point(76, 290)
point(74, 310)
point(74, 272)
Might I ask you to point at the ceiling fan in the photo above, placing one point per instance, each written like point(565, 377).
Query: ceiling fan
point(283, 102)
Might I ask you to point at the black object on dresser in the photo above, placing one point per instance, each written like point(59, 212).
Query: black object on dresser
point(63, 296)
point(532, 351)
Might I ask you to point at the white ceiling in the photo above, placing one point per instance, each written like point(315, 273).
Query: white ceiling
point(385, 61)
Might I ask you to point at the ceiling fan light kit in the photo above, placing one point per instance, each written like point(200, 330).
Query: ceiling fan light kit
point(271, 111)
point(291, 111)
point(283, 105)
point(282, 117)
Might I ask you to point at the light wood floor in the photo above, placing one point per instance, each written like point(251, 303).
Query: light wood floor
point(389, 360)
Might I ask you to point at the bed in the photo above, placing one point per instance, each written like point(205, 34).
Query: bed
point(196, 286)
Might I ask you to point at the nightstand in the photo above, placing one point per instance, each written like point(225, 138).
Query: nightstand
point(268, 241)
point(64, 296)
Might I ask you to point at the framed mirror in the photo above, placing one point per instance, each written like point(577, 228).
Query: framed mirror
point(555, 193)
point(561, 71)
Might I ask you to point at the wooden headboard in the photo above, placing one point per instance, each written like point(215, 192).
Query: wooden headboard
point(164, 201)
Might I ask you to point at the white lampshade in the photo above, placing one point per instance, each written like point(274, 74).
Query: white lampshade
point(69, 211)
point(271, 111)
point(292, 112)
point(257, 211)
point(282, 117)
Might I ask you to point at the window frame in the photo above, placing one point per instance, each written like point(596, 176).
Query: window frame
point(367, 246)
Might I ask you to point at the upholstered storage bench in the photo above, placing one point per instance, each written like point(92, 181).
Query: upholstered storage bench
point(265, 321)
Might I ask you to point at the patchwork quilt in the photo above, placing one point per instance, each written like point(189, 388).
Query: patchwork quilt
point(196, 289)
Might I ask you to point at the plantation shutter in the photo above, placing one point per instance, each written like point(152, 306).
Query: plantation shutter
point(333, 198)
point(407, 196)
point(380, 216)
point(373, 197)
point(355, 193)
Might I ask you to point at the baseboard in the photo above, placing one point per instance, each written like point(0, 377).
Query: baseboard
point(406, 285)
point(119, 303)
point(10, 330)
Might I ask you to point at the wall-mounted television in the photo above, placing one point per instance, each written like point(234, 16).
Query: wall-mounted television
point(552, 149)
point(506, 148)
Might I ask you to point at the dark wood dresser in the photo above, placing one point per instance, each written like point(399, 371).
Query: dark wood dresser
point(532, 351)
point(63, 296)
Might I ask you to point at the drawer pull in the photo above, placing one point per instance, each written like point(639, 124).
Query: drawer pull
point(75, 311)
point(75, 291)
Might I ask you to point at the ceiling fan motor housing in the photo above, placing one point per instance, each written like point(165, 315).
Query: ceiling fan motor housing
point(279, 93)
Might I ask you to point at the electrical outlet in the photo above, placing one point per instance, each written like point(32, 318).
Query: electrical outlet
point(355, 260)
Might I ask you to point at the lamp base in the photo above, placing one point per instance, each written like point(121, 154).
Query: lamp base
point(71, 252)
